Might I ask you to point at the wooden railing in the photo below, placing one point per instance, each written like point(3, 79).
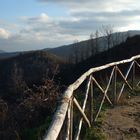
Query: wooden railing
point(64, 126)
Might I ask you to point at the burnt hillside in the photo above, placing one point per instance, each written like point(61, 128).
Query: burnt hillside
point(30, 87)
point(122, 51)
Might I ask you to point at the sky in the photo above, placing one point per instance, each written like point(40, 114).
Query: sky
point(37, 24)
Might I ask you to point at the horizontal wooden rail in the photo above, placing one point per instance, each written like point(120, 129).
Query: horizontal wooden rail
point(59, 117)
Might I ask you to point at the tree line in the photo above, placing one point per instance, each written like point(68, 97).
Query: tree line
point(101, 40)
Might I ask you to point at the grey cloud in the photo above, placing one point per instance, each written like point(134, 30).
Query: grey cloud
point(89, 25)
point(77, 4)
point(95, 5)
point(125, 13)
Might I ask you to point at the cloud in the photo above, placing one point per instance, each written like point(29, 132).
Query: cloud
point(4, 34)
point(88, 16)
point(36, 33)
point(99, 5)
point(43, 17)
point(106, 14)
point(80, 19)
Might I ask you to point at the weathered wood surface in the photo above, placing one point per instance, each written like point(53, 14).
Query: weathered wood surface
point(126, 82)
point(60, 114)
point(105, 93)
point(82, 113)
point(102, 91)
point(126, 76)
point(68, 122)
point(76, 137)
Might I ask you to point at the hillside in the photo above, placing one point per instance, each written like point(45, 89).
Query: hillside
point(31, 67)
point(66, 51)
point(122, 51)
point(29, 91)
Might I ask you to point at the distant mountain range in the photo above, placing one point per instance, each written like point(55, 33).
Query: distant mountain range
point(67, 51)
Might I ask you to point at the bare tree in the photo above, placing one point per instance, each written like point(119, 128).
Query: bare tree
point(96, 42)
point(16, 83)
point(87, 50)
point(107, 31)
point(119, 37)
point(92, 44)
point(71, 58)
point(127, 35)
point(76, 51)
point(116, 39)
point(82, 57)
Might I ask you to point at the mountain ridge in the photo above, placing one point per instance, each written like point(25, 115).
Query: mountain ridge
point(66, 51)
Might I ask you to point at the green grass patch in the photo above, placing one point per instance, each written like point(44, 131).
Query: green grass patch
point(95, 132)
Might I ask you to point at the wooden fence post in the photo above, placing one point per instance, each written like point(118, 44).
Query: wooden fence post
point(115, 85)
point(68, 119)
point(133, 77)
point(71, 120)
point(91, 102)
point(77, 133)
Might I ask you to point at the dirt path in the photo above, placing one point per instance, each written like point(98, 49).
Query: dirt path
point(123, 122)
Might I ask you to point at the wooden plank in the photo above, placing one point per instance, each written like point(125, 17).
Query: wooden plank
point(76, 137)
point(110, 79)
point(139, 67)
point(105, 94)
point(59, 117)
point(126, 82)
point(126, 76)
point(71, 121)
point(81, 111)
point(98, 85)
point(138, 84)
point(133, 77)
point(68, 122)
point(91, 102)
point(137, 63)
point(114, 86)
